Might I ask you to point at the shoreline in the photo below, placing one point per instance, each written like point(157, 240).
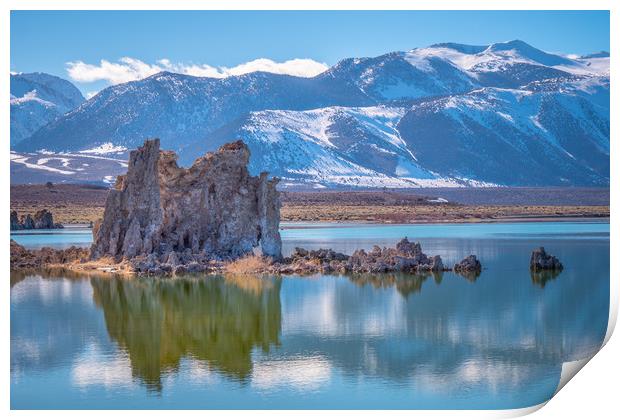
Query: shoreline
point(405, 257)
point(81, 204)
point(521, 219)
point(307, 224)
point(318, 224)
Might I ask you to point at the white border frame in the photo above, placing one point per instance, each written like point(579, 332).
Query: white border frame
point(603, 382)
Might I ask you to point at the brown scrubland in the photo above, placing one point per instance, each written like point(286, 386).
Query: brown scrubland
point(85, 203)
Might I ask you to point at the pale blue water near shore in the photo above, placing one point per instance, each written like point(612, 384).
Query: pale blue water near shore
point(329, 234)
point(384, 341)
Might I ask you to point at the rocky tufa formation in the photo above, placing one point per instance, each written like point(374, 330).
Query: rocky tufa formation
point(407, 257)
point(42, 219)
point(45, 257)
point(540, 261)
point(159, 213)
point(469, 264)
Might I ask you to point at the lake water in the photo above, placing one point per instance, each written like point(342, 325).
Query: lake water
point(368, 341)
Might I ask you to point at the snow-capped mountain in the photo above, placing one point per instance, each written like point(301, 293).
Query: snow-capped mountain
point(181, 109)
point(448, 114)
point(38, 98)
point(512, 137)
point(358, 147)
point(402, 75)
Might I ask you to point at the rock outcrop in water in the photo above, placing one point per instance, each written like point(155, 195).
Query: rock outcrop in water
point(469, 264)
point(540, 260)
point(406, 257)
point(159, 213)
point(42, 219)
point(45, 257)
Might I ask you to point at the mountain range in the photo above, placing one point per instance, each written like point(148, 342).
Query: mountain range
point(445, 115)
point(37, 99)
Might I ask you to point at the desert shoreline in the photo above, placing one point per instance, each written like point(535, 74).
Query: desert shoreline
point(596, 216)
point(523, 219)
point(314, 224)
point(81, 204)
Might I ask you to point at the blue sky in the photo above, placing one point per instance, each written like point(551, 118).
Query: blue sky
point(48, 40)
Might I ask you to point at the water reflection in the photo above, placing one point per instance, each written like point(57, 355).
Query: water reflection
point(540, 278)
point(52, 316)
point(406, 284)
point(219, 321)
point(365, 341)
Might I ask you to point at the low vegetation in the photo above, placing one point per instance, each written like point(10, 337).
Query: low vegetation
point(250, 264)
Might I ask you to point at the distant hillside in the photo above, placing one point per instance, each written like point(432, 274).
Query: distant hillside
point(38, 98)
point(445, 115)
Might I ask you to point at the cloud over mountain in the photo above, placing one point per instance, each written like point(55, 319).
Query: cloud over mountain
point(128, 69)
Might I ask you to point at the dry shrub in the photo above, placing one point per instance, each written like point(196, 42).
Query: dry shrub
point(250, 264)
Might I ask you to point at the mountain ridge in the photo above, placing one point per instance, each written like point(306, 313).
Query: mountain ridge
point(36, 99)
point(320, 118)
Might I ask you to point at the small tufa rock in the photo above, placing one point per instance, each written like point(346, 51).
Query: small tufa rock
point(469, 264)
point(27, 222)
point(436, 263)
point(15, 225)
point(540, 260)
point(43, 219)
point(408, 249)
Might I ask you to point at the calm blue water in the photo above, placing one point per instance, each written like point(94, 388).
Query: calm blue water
point(347, 234)
point(382, 341)
point(55, 238)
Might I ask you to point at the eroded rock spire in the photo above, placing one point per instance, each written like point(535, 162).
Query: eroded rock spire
point(215, 208)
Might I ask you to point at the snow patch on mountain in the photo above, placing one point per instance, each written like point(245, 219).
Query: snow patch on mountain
point(43, 166)
point(105, 149)
point(316, 146)
point(31, 97)
point(23, 160)
point(499, 56)
point(271, 125)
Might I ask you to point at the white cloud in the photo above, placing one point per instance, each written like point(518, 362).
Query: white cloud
point(303, 67)
point(127, 69)
point(91, 94)
point(124, 70)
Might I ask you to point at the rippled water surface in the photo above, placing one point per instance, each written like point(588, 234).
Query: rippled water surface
point(368, 341)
